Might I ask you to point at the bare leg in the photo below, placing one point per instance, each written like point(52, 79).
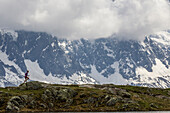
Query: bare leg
point(26, 80)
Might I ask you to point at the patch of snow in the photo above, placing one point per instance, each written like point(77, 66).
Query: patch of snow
point(29, 50)
point(66, 52)
point(83, 65)
point(45, 48)
point(143, 44)
point(130, 65)
point(23, 53)
point(26, 42)
point(162, 37)
point(115, 78)
point(52, 44)
point(12, 77)
point(110, 52)
point(2, 82)
point(111, 55)
point(159, 70)
point(82, 78)
point(37, 74)
point(38, 38)
point(107, 49)
point(9, 75)
point(63, 44)
point(5, 60)
point(128, 62)
point(9, 32)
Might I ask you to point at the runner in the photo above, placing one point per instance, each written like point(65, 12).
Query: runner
point(26, 76)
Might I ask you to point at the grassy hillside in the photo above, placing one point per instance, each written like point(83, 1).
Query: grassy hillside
point(36, 96)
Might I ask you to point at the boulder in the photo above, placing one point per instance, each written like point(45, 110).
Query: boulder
point(43, 105)
point(112, 101)
point(9, 107)
point(48, 93)
point(44, 97)
point(24, 98)
point(83, 95)
point(54, 92)
point(14, 104)
point(32, 104)
point(69, 102)
point(51, 105)
point(29, 99)
point(65, 94)
point(124, 94)
point(16, 100)
point(97, 104)
point(153, 105)
point(22, 86)
point(112, 90)
point(34, 85)
point(12, 108)
point(136, 96)
point(105, 88)
point(163, 97)
point(131, 106)
point(91, 100)
point(107, 97)
point(2, 101)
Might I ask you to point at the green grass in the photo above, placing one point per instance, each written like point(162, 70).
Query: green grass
point(146, 98)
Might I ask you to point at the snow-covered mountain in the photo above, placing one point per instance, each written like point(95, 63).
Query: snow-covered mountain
point(105, 60)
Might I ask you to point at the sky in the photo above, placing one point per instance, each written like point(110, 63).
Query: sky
point(90, 19)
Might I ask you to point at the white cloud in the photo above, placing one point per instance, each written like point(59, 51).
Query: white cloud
point(74, 19)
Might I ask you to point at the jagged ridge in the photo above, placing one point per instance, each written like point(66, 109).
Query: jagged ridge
point(105, 60)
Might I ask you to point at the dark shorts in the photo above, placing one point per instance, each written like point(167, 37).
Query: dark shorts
point(26, 78)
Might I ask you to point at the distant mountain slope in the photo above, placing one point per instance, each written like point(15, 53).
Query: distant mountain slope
point(106, 60)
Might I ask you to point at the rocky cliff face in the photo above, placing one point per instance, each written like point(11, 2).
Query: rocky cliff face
point(105, 60)
point(36, 96)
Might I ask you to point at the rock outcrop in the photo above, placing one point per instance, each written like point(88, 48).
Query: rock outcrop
point(31, 86)
point(37, 96)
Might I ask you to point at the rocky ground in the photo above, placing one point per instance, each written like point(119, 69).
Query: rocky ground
point(37, 96)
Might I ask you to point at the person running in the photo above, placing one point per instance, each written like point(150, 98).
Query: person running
point(26, 76)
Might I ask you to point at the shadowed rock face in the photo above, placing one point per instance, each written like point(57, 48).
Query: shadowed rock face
point(38, 96)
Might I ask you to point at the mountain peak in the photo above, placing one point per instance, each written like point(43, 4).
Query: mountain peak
point(105, 60)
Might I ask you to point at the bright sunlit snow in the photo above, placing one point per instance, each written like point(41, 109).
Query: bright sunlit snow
point(159, 70)
point(37, 74)
point(115, 78)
